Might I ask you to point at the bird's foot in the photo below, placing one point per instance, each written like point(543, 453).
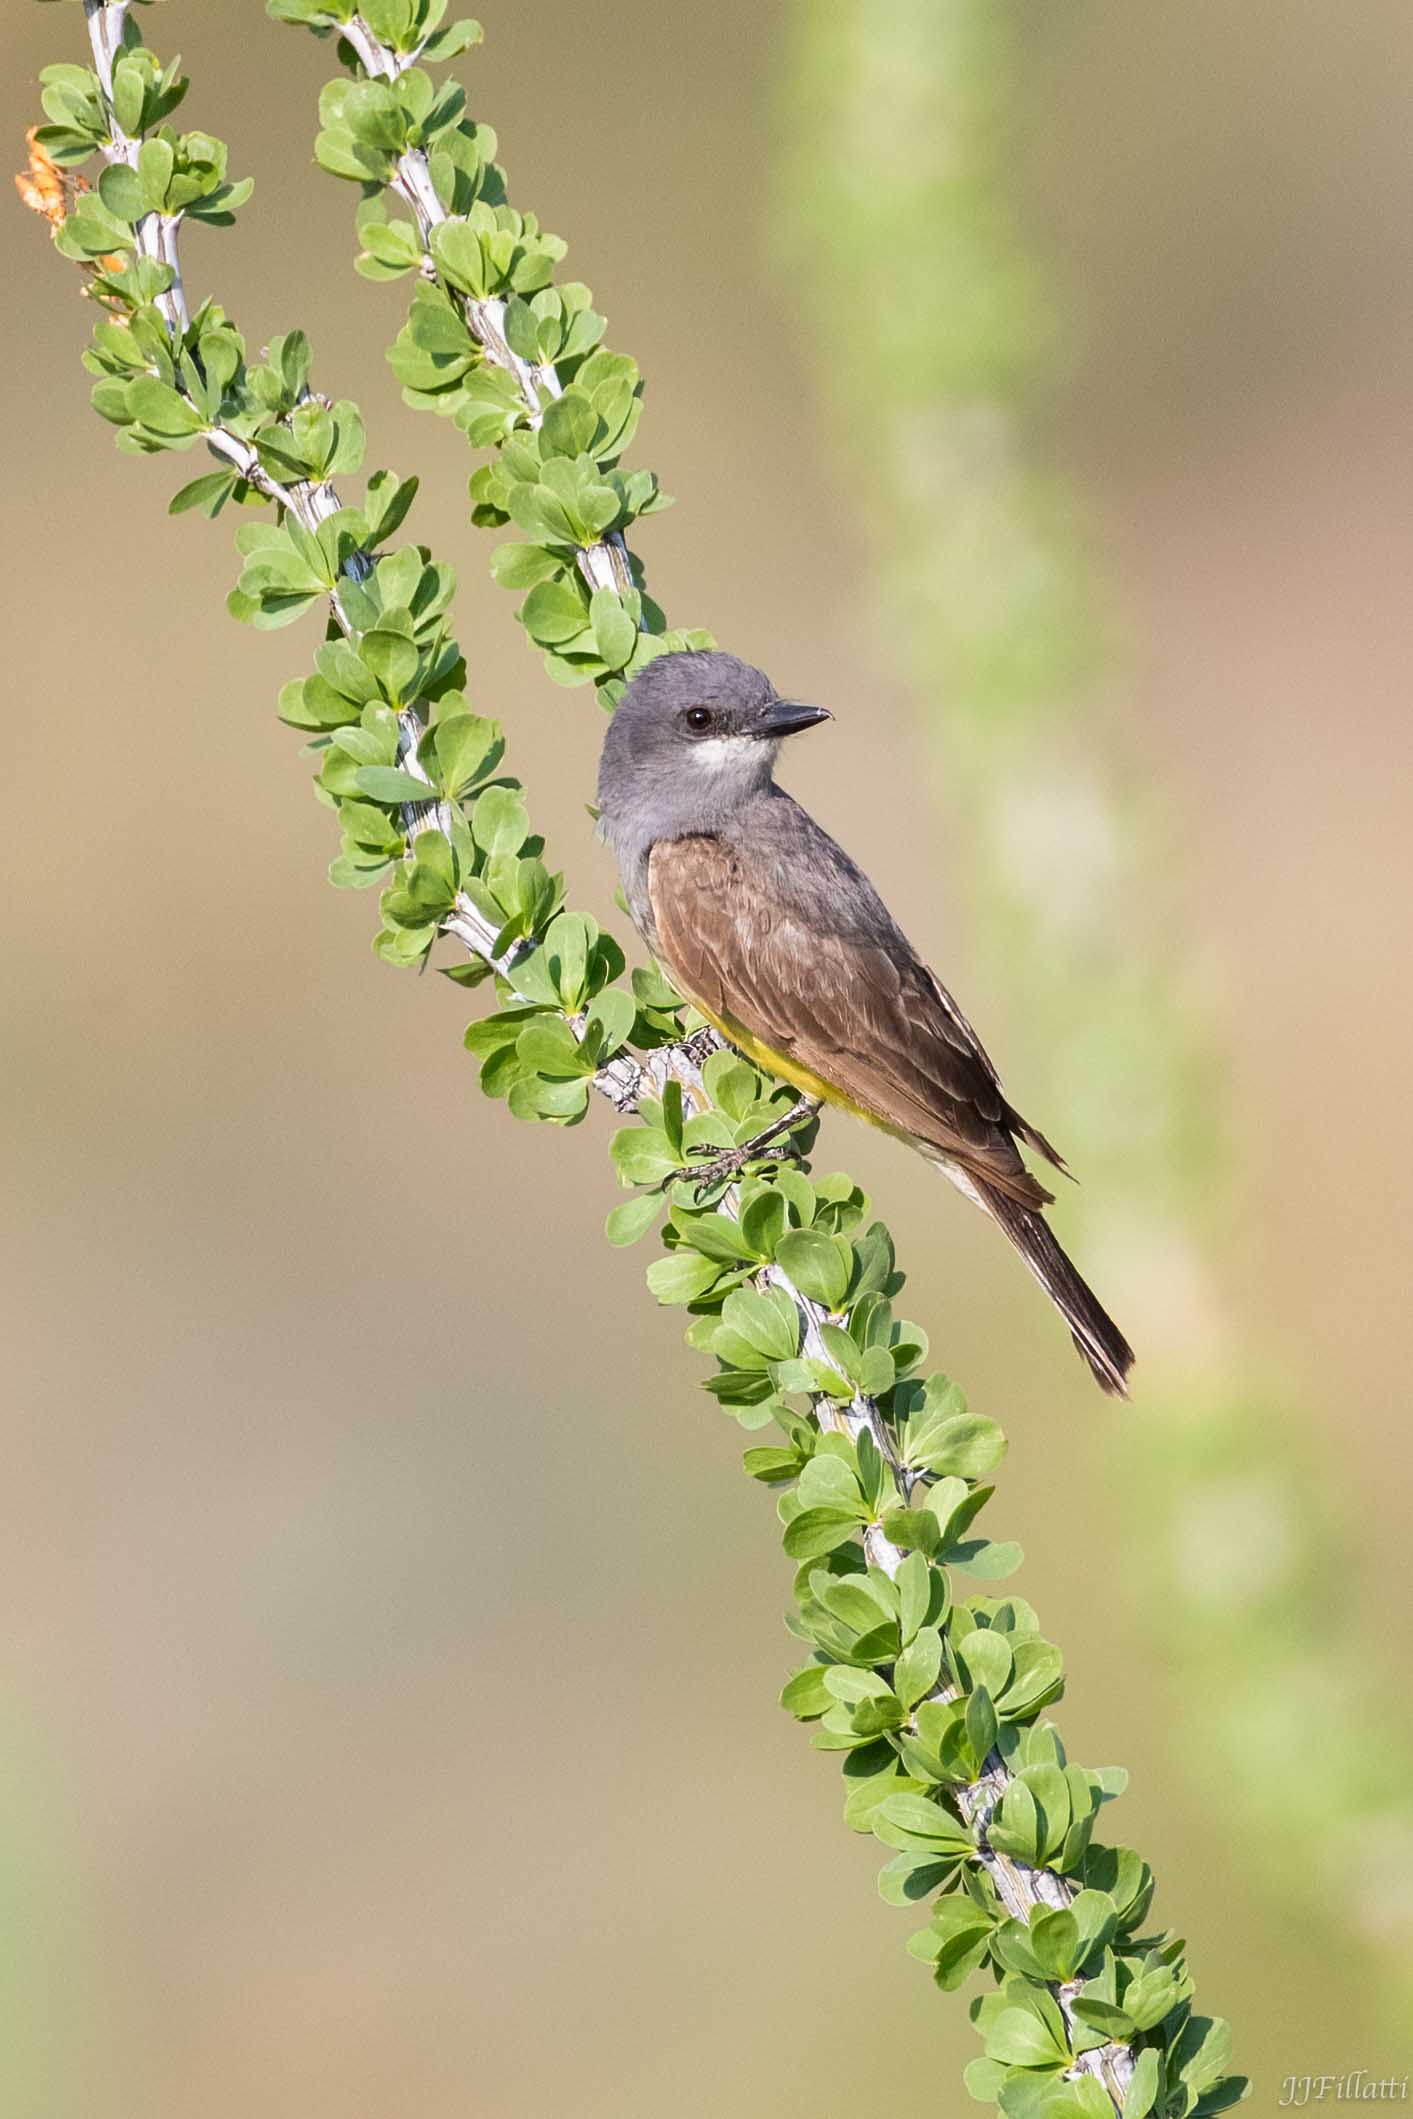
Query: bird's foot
point(767, 1145)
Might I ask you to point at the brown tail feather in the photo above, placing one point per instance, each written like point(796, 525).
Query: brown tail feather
point(1096, 1335)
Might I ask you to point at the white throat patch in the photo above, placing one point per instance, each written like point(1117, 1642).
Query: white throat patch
point(716, 753)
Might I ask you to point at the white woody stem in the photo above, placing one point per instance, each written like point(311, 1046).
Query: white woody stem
point(605, 563)
point(156, 233)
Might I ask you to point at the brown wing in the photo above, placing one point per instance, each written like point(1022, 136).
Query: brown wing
point(821, 975)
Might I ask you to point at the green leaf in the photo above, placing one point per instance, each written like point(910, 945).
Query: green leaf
point(683, 1276)
point(851, 1687)
point(554, 612)
point(914, 1582)
point(524, 566)
point(763, 1221)
point(1016, 1827)
point(817, 1531)
point(962, 1446)
point(1143, 2086)
point(500, 820)
point(766, 1319)
point(915, 1529)
point(642, 1155)
point(715, 1235)
point(984, 2079)
point(1037, 1678)
point(392, 658)
point(1055, 1939)
point(386, 503)
point(128, 96)
point(499, 1030)
point(549, 1046)
point(121, 191)
point(961, 1942)
point(906, 1879)
point(986, 1558)
point(457, 250)
point(156, 164)
point(162, 409)
point(917, 1668)
point(209, 494)
point(807, 1696)
point(1083, 2098)
point(1105, 2016)
point(985, 1659)
point(614, 631)
point(980, 1722)
point(463, 746)
point(1202, 2054)
point(448, 43)
point(772, 1465)
point(389, 784)
point(912, 1821)
point(818, 1264)
point(569, 425)
point(626, 1223)
point(1021, 2039)
point(732, 1086)
point(562, 1102)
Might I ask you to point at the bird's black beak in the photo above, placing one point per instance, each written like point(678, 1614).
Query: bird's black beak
point(786, 717)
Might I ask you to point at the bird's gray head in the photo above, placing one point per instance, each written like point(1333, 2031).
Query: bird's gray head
point(692, 738)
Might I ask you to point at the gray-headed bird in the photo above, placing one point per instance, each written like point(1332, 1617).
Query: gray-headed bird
point(768, 927)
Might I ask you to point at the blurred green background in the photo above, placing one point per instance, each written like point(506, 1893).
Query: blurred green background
point(282, 1827)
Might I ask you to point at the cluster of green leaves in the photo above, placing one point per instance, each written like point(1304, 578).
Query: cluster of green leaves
point(406, 27)
point(932, 1696)
point(369, 125)
point(145, 93)
point(533, 382)
point(181, 176)
point(430, 819)
point(164, 394)
point(926, 1696)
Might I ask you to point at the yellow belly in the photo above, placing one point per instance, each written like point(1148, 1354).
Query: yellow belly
point(784, 1067)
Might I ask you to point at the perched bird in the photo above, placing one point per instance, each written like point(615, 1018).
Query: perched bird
point(768, 927)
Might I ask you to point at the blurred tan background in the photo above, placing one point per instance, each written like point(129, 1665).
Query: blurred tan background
point(330, 1747)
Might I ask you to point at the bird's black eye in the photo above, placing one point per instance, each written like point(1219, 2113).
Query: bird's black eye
point(698, 718)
